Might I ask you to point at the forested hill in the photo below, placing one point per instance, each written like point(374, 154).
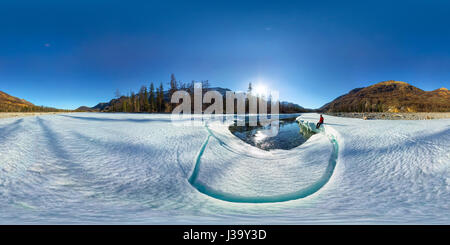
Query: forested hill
point(10, 103)
point(391, 96)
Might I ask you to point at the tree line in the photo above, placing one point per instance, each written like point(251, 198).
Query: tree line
point(149, 99)
point(365, 105)
point(28, 108)
point(153, 99)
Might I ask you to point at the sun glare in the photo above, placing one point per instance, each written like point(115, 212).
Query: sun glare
point(260, 89)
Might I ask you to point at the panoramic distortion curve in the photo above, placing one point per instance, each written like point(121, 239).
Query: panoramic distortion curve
point(231, 197)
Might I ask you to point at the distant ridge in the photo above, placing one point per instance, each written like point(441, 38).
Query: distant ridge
point(6, 99)
point(10, 103)
point(391, 96)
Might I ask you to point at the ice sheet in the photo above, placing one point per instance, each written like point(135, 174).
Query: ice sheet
point(135, 168)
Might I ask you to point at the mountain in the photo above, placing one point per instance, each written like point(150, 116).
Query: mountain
point(86, 109)
point(10, 103)
point(391, 96)
point(288, 107)
point(11, 100)
point(100, 106)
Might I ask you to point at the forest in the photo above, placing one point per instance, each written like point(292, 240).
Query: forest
point(154, 99)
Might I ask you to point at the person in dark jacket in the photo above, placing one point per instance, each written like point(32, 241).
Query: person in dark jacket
point(320, 121)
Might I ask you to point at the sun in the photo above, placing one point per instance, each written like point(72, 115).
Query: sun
point(260, 89)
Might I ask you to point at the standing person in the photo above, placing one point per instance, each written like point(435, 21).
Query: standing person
point(320, 121)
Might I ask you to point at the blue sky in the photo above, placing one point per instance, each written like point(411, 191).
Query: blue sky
point(71, 53)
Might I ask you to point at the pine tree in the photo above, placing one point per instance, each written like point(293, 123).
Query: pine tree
point(143, 99)
point(205, 86)
point(161, 98)
point(137, 107)
point(157, 100)
point(173, 87)
point(124, 106)
point(133, 101)
point(152, 98)
point(146, 102)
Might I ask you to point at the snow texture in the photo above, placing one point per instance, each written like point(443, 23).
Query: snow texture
point(92, 168)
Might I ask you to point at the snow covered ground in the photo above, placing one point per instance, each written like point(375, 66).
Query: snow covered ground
point(143, 168)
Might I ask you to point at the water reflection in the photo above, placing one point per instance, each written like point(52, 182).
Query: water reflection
point(290, 134)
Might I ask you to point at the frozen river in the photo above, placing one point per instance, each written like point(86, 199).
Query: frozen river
point(146, 169)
